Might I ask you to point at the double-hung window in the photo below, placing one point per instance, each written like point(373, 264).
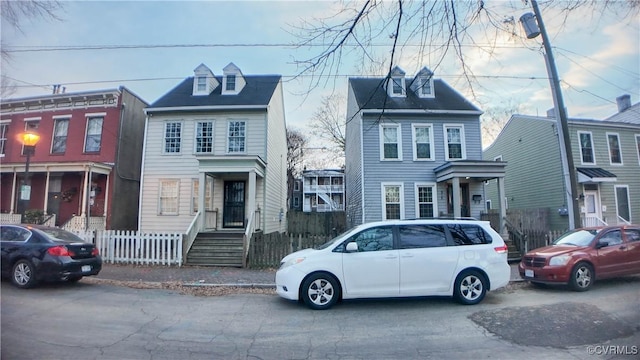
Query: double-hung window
point(422, 142)
point(586, 148)
point(638, 146)
point(425, 200)
point(60, 130)
point(393, 198)
point(94, 134)
point(195, 198)
point(204, 137)
point(4, 127)
point(172, 137)
point(201, 83)
point(236, 140)
point(168, 197)
point(615, 156)
point(231, 82)
point(454, 140)
point(390, 142)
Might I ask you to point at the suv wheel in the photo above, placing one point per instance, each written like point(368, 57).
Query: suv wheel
point(470, 287)
point(320, 291)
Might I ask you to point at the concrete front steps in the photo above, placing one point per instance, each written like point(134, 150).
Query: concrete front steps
point(219, 248)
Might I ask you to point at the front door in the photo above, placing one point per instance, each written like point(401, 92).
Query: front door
point(592, 208)
point(233, 211)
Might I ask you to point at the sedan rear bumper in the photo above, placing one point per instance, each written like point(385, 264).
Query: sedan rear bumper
point(61, 269)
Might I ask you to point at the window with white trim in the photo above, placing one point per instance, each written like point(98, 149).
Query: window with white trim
point(168, 196)
point(390, 145)
point(93, 139)
point(586, 148)
point(230, 82)
point(392, 200)
point(195, 191)
point(425, 89)
point(201, 84)
point(236, 138)
point(397, 86)
point(172, 137)
point(638, 146)
point(204, 137)
point(615, 156)
point(4, 128)
point(60, 131)
point(422, 142)
point(623, 207)
point(425, 200)
point(454, 140)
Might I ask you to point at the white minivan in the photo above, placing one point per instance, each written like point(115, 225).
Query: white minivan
point(399, 258)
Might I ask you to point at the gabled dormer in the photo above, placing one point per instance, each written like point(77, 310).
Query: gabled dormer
point(204, 82)
point(232, 80)
point(396, 84)
point(423, 84)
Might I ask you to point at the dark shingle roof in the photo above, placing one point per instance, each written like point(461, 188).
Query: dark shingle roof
point(596, 172)
point(257, 91)
point(370, 94)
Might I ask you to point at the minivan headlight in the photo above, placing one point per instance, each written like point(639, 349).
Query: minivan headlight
point(291, 261)
point(559, 260)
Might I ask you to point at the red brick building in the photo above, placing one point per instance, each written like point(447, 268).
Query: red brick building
point(85, 170)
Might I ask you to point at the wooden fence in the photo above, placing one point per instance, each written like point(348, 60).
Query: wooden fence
point(132, 247)
point(523, 219)
point(329, 223)
point(267, 250)
point(526, 240)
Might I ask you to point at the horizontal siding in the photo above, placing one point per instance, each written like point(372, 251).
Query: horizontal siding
point(275, 195)
point(353, 163)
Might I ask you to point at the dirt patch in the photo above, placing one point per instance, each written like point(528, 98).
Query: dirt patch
point(198, 290)
point(557, 325)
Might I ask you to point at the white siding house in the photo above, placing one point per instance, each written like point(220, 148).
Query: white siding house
point(215, 156)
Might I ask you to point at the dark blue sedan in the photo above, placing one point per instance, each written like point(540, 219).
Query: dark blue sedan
point(33, 253)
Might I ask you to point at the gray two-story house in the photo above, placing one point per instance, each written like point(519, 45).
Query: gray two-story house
point(606, 157)
point(413, 150)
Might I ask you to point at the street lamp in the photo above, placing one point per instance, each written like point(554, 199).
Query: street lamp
point(528, 22)
point(29, 141)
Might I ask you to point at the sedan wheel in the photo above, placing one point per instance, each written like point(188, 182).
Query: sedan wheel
point(320, 291)
point(470, 288)
point(23, 274)
point(582, 277)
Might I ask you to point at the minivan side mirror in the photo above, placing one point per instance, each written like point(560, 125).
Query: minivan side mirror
point(352, 247)
point(601, 244)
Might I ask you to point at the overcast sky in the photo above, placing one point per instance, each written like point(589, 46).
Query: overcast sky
point(598, 58)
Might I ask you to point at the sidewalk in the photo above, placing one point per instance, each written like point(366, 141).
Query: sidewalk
point(204, 275)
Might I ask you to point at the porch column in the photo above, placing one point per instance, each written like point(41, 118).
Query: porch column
point(13, 191)
point(457, 212)
point(106, 199)
point(503, 211)
point(251, 197)
point(202, 196)
point(46, 193)
point(83, 206)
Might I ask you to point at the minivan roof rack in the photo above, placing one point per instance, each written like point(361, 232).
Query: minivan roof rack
point(447, 218)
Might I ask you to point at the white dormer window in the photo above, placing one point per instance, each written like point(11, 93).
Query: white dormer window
point(423, 84)
point(233, 81)
point(396, 85)
point(203, 81)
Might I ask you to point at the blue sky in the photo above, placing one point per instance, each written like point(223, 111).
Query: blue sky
point(598, 59)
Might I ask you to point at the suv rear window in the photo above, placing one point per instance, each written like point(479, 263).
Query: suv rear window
point(469, 234)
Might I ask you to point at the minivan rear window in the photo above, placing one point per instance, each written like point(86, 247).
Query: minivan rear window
point(469, 234)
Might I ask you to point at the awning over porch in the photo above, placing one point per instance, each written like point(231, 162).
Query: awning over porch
point(232, 164)
point(595, 175)
point(479, 170)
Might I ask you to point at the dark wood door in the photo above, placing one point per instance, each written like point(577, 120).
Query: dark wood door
point(233, 211)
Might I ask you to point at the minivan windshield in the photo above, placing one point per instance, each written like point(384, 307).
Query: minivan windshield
point(330, 242)
point(577, 238)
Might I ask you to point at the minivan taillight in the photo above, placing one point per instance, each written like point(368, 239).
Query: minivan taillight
point(60, 251)
point(501, 249)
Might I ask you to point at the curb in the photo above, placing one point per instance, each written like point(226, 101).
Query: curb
point(238, 285)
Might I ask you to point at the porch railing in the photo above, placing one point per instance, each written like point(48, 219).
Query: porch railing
point(192, 231)
point(588, 221)
point(246, 238)
point(211, 219)
point(622, 220)
point(79, 223)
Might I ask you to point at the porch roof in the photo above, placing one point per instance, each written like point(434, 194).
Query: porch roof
point(231, 164)
point(480, 170)
point(59, 167)
point(586, 175)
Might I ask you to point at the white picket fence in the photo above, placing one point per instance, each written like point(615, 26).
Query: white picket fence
point(132, 247)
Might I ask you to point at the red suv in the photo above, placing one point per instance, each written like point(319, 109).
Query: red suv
point(581, 256)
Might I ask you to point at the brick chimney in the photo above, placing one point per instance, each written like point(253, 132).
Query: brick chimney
point(624, 102)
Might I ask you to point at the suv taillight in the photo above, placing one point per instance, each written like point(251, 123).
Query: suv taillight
point(501, 249)
point(60, 251)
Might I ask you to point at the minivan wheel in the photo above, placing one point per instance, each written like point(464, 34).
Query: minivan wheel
point(23, 274)
point(582, 277)
point(320, 291)
point(470, 287)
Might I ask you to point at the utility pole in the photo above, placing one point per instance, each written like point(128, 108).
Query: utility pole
point(569, 173)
